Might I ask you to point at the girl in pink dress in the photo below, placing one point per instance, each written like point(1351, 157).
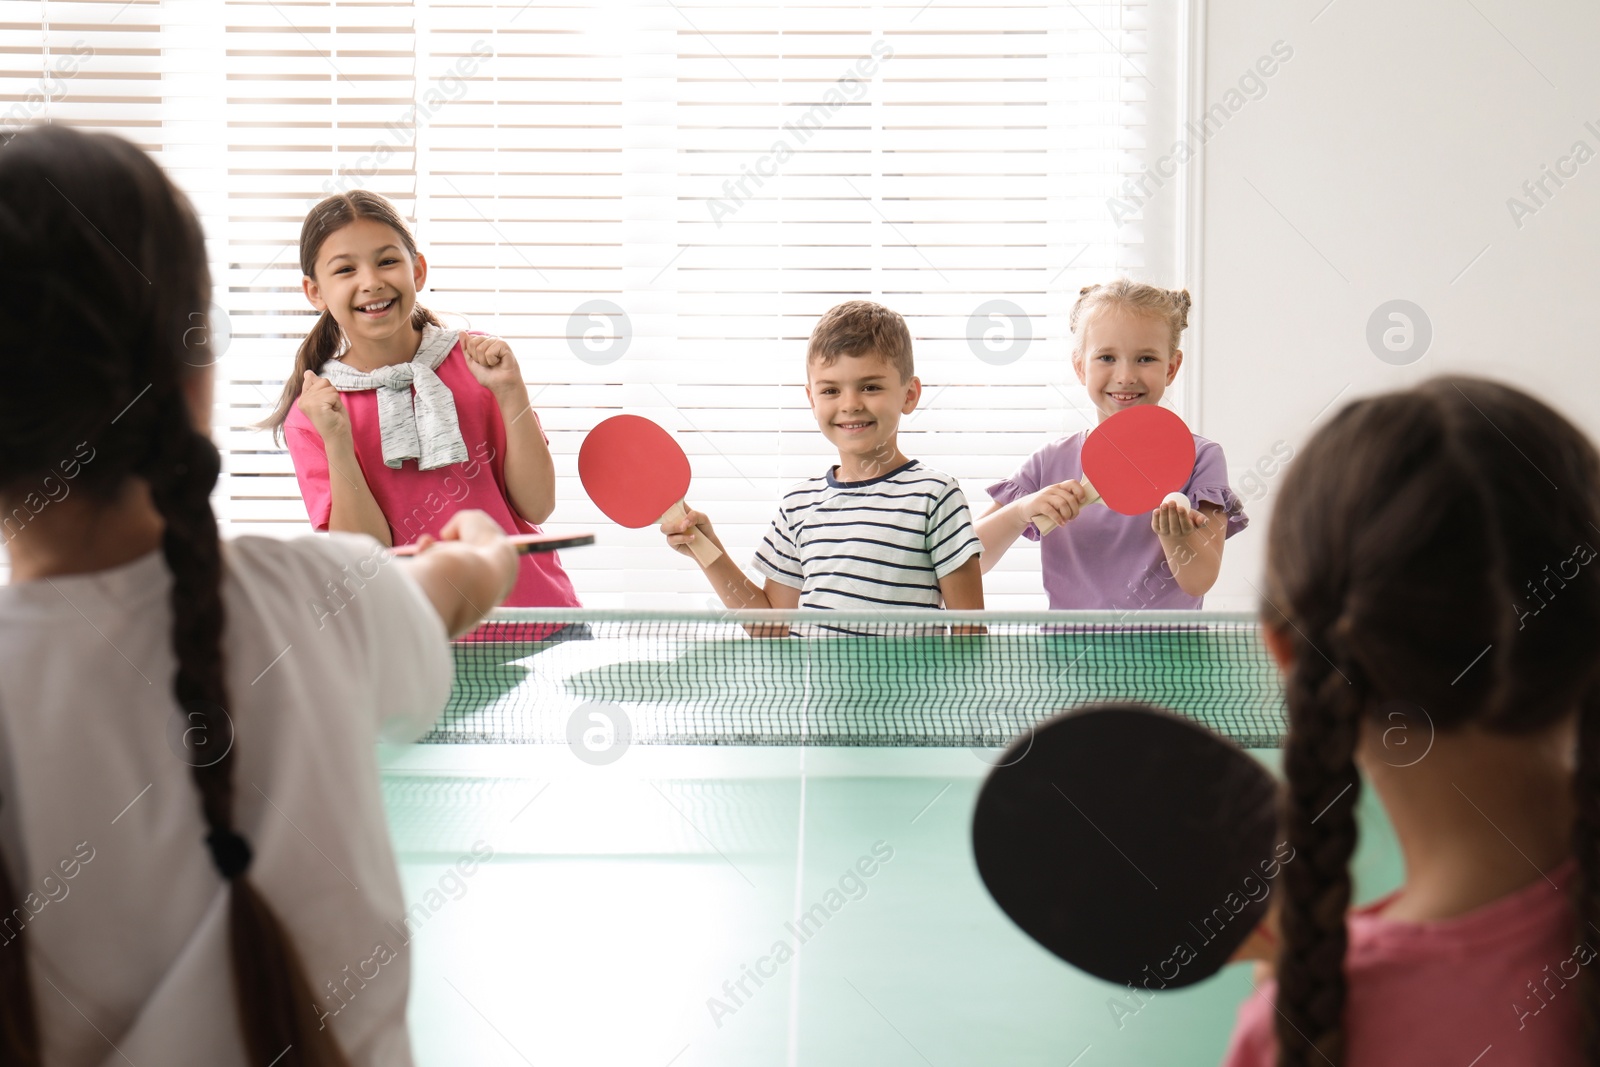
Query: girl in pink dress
point(394, 423)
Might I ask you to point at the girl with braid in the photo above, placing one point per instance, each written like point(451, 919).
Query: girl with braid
point(1125, 353)
point(392, 421)
point(1432, 598)
point(193, 854)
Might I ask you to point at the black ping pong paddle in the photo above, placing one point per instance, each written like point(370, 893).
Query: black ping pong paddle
point(1134, 844)
point(525, 543)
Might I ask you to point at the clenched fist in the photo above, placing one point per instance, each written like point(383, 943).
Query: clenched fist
point(319, 401)
point(492, 364)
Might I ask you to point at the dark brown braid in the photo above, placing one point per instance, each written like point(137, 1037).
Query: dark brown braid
point(182, 474)
point(1401, 559)
point(1320, 826)
point(102, 263)
point(19, 1021)
point(1586, 846)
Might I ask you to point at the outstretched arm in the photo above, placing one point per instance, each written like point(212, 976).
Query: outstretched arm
point(1000, 526)
point(731, 584)
point(1193, 549)
point(468, 570)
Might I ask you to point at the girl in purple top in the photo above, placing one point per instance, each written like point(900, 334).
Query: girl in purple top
point(1125, 352)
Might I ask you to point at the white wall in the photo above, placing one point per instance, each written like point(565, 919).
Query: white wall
point(1385, 151)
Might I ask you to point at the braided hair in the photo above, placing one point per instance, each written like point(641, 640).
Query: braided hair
point(102, 258)
point(1404, 545)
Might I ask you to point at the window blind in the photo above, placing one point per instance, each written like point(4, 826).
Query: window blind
point(653, 203)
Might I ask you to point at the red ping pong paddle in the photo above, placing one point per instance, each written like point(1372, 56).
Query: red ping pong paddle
point(526, 543)
point(1133, 460)
point(637, 474)
point(1134, 844)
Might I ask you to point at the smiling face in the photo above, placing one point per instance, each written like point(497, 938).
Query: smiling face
point(858, 401)
point(368, 281)
point(1127, 359)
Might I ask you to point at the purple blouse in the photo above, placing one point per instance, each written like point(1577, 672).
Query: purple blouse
point(1103, 560)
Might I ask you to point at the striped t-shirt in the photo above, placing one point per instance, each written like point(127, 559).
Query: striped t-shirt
point(862, 545)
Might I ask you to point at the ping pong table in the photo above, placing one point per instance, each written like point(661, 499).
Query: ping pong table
point(694, 849)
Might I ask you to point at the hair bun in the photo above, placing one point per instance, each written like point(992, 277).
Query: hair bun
point(1170, 306)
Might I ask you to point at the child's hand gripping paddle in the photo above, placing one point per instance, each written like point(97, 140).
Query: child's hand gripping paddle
point(1133, 461)
point(637, 474)
point(524, 543)
point(1134, 844)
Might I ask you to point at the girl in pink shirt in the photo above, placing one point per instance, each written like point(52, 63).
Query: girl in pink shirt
point(1431, 598)
point(393, 423)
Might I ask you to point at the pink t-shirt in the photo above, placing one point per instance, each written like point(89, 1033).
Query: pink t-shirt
point(1501, 978)
point(417, 501)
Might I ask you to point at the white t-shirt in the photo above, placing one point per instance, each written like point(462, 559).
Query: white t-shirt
point(884, 542)
point(326, 649)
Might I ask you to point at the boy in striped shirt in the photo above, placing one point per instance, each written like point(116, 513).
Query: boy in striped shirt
point(877, 530)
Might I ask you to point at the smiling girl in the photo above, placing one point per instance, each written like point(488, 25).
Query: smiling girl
point(1125, 352)
point(394, 423)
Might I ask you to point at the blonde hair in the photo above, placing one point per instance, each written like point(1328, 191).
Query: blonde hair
point(1169, 305)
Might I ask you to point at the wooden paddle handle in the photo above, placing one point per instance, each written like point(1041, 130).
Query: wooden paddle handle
point(1045, 525)
point(1260, 947)
point(705, 550)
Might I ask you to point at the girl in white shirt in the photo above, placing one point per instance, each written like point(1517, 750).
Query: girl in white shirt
point(194, 866)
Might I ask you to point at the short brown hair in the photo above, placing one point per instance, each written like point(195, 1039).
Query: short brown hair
point(859, 327)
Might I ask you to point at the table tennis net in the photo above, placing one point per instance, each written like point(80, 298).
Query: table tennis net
point(891, 678)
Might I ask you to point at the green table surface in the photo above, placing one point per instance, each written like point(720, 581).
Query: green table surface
point(623, 903)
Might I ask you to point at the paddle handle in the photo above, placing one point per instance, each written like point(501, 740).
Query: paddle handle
point(1045, 525)
point(1260, 947)
point(704, 549)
